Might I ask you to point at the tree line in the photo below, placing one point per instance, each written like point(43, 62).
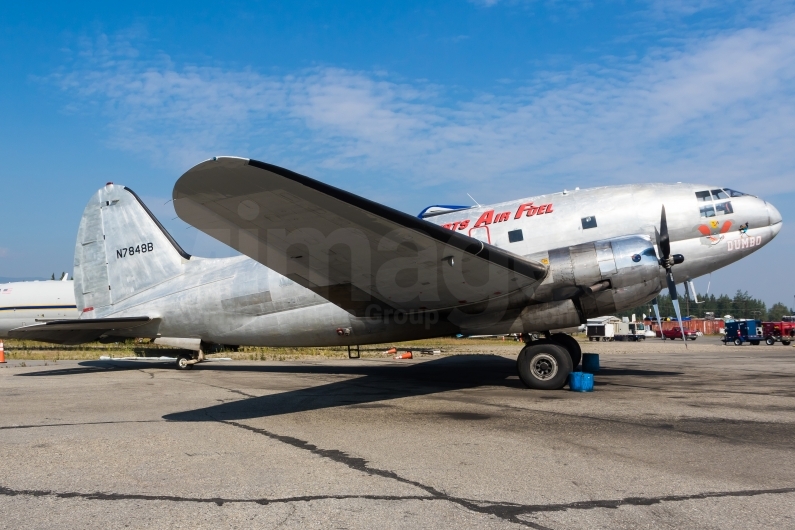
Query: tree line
point(741, 305)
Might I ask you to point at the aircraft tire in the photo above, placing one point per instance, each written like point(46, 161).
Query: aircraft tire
point(544, 366)
point(571, 345)
point(182, 362)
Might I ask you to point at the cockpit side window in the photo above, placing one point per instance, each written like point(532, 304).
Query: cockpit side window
point(733, 193)
point(707, 211)
point(719, 195)
point(724, 208)
point(703, 196)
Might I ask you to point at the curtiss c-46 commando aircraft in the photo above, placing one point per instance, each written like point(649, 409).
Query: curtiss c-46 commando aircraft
point(321, 266)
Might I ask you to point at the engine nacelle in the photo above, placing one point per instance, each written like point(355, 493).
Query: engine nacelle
point(602, 277)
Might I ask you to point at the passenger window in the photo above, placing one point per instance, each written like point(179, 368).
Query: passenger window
point(733, 193)
point(588, 222)
point(703, 196)
point(724, 208)
point(515, 236)
point(707, 211)
point(719, 195)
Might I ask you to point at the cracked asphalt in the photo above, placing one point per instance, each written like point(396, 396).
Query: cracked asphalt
point(671, 438)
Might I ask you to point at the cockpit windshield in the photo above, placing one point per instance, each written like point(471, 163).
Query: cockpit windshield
point(715, 202)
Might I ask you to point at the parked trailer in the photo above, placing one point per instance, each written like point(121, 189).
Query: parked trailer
point(630, 331)
point(743, 330)
point(604, 331)
point(783, 331)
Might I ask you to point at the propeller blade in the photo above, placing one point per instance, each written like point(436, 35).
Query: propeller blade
point(675, 299)
point(657, 314)
point(669, 277)
point(679, 318)
point(665, 240)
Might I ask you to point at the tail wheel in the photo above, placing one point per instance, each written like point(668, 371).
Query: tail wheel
point(544, 366)
point(571, 345)
point(183, 362)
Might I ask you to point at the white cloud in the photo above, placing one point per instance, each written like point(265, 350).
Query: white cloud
point(717, 109)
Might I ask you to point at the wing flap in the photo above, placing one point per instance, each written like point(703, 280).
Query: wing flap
point(352, 251)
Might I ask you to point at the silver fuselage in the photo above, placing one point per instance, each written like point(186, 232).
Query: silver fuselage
point(238, 301)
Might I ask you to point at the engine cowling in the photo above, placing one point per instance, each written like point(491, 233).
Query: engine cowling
point(604, 276)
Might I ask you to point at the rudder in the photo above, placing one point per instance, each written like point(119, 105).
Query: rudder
point(121, 250)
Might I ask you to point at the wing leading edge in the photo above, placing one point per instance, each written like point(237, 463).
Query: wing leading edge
point(354, 252)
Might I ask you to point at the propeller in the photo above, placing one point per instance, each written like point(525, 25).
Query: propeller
point(667, 261)
point(657, 314)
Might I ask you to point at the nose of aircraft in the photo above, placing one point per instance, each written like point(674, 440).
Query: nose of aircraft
point(774, 217)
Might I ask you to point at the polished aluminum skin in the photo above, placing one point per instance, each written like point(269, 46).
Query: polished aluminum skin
point(323, 267)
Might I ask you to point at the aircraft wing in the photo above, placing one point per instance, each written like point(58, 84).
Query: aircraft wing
point(354, 252)
point(76, 331)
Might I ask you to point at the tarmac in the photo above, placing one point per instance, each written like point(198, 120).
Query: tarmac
point(670, 438)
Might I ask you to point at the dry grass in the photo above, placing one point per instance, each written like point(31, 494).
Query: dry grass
point(31, 350)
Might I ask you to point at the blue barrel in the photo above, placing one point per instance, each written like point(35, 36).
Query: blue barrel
point(581, 382)
point(590, 362)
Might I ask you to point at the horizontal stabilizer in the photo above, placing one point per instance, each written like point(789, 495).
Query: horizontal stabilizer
point(76, 331)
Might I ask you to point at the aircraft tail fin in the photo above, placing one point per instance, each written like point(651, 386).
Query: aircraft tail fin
point(121, 250)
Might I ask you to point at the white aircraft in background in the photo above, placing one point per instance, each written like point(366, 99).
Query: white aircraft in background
point(26, 303)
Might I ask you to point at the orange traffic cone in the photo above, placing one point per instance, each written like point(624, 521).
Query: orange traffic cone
point(406, 355)
point(2, 353)
point(390, 351)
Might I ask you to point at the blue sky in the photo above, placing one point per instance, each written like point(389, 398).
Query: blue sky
point(406, 103)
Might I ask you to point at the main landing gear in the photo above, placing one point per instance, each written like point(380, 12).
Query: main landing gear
point(545, 364)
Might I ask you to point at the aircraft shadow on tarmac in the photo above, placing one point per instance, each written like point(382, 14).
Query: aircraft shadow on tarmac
point(377, 382)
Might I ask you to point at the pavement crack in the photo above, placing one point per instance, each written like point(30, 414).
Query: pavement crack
point(219, 501)
point(40, 425)
point(507, 511)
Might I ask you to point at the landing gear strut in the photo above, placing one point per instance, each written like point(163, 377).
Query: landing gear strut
point(570, 344)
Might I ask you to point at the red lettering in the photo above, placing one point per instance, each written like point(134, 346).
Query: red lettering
point(522, 209)
point(504, 216)
point(532, 211)
point(549, 208)
point(485, 219)
point(455, 225)
point(464, 224)
point(448, 226)
point(542, 209)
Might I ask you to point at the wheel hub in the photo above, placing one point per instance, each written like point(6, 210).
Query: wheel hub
point(544, 366)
